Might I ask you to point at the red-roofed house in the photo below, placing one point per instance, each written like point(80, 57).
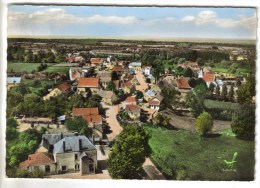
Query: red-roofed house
point(133, 111)
point(129, 101)
point(96, 61)
point(118, 68)
point(41, 161)
point(88, 83)
point(209, 78)
point(91, 115)
point(64, 87)
point(154, 103)
point(182, 83)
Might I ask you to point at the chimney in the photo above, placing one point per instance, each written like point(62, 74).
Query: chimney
point(80, 144)
point(93, 139)
point(64, 146)
point(61, 136)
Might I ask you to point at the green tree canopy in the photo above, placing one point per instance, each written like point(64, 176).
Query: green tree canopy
point(246, 91)
point(204, 123)
point(128, 153)
point(79, 125)
point(243, 123)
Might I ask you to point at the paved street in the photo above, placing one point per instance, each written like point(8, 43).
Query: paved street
point(143, 85)
point(115, 127)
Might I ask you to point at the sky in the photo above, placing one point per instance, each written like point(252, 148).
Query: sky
point(100, 21)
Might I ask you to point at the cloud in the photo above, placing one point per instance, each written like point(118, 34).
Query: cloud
point(188, 19)
point(61, 17)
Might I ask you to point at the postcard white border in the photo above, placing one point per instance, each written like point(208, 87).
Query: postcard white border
point(57, 183)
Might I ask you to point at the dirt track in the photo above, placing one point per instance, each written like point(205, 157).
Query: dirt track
point(188, 123)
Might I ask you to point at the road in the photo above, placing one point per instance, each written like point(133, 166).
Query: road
point(143, 85)
point(151, 170)
point(115, 127)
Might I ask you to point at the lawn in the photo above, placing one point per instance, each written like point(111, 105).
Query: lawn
point(186, 156)
point(221, 105)
point(22, 67)
point(55, 69)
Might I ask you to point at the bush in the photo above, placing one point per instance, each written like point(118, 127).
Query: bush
point(204, 123)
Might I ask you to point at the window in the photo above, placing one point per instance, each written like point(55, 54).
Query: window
point(64, 168)
point(76, 156)
point(77, 167)
point(47, 168)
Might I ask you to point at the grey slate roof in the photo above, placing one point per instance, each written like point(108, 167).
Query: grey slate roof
point(51, 139)
point(72, 144)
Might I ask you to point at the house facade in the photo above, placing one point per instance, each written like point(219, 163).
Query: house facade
point(133, 111)
point(135, 66)
point(88, 83)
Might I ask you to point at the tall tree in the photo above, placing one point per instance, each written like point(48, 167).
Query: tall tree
point(246, 91)
point(80, 125)
point(128, 153)
point(204, 123)
point(231, 93)
point(224, 92)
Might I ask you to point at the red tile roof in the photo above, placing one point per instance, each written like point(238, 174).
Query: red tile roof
point(132, 108)
point(64, 87)
point(126, 84)
point(93, 119)
point(96, 60)
point(130, 99)
point(84, 111)
point(182, 83)
point(37, 159)
point(88, 82)
point(118, 68)
point(209, 77)
point(75, 75)
point(154, 102)
point(71, 59)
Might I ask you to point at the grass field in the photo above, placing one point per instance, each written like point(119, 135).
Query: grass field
point(22, 67)
point(184, 155)
point(54, 69)
point(221, 105)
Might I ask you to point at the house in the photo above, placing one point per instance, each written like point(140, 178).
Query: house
point(182, 83)
point(74, 73)
point(75, 153)
point(129, 101)
point(64, 87)
point(96, 61)
point(209, 78)
point(108, 97)
point(152, 79)
point(134, 66)
point(127, 87)
point(40, 161)
point(91, 115)
point(133, 111)
point(149, 94)
point(147, 70)
point(193, 65)
point(154, 103)
point(53, 93)
point(88, 83)
point(69, 153)
point(119, 69)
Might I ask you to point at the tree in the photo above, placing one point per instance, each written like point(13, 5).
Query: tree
point(11, 132)
point(246, 91)
point(192, 82)
point(231, 93)
point(243, 122)
point(200, 62)
point(170, 98)
point(224, 92)
point(217, 90)
point(111, 86)
point(204, 123)
point(79, 125)
point(114, 76)
point(211, 88)
point(139, 94)
point(128, 153)
point(188, 72)
point(195, 99)
point(181, 60)
point(161, 120)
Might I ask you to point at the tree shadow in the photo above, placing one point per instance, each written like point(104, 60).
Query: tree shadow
point(212, 135)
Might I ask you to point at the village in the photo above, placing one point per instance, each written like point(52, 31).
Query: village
point(95, 91)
